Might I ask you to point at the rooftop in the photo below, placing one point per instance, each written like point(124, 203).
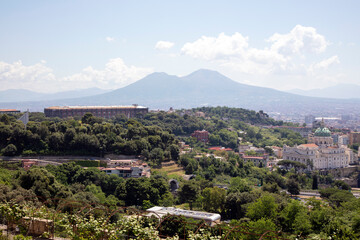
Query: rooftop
point(309, 145)
point(253, 157)
point(9, 110)
point(161, 211)
point(220, 149)
point(95, 107)
point(322, 132)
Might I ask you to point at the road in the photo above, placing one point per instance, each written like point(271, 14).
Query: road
point(314, 193)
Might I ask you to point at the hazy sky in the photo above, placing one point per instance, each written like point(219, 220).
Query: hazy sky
point(61, 45)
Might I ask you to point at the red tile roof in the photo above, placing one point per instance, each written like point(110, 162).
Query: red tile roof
point(309, 145)
point(253, 157)
point(9, 110)
point(220, 149)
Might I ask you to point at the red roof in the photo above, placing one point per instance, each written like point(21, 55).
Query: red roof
point(9, 110)
point(123, 168)
point(253, 157)
point(309, 145)
point(220, 149)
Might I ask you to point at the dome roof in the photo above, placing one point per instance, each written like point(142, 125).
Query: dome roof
point(322, 132)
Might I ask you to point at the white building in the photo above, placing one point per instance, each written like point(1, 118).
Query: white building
point(209, 218)
point(127, 168)
point(320, 152)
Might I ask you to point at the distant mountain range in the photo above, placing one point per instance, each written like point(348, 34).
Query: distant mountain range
point(22, 95)
point(341, 91)
point(201, 88)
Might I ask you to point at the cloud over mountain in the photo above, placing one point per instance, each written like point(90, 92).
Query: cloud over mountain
point(39, 77)
point(235, 50)
point(115, 74)
point(286, 59)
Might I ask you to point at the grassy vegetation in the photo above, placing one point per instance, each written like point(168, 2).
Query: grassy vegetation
point(6, 176)
point(173, 169)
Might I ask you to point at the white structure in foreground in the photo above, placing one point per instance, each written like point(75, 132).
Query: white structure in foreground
point(209, 218)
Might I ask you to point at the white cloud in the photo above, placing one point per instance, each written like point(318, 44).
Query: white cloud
point(211, 48)
point(110, 39)
point(39, 77)
point(115, 74)
point(298, 41)
point(161, 45)
point(326, 63)
point(286, 54)
point(18, 75)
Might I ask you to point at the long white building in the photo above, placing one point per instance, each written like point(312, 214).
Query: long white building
point(210, 218)
point(320, 152)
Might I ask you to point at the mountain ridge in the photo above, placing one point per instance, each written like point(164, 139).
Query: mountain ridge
point(339, 91)
point(160, 90)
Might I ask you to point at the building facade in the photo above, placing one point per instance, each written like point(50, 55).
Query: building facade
point(201, 136)
point(259, 161)
point(320, 152)
point(9, 111)
point(98, 111)
point(131, 168)
point(354, 137)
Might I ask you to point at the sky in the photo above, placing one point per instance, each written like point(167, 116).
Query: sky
point(51, 46)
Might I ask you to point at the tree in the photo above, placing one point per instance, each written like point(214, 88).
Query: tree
point(140, 189)
point(342, 185)
point(238, 184)
point(5, 119)
point(9, 150)
point(56, 141)
point(69, 136)
point(293, 187)
point(264, 207)
point(5, 134)
point(315, 182)
point(258, 228)
point(86, 143)
point(302, 224)
point(188, 192)
point(213, 199)
point(236, 204)
point(336, 196)
point(157, 155)
point(174, 151)
point(271, 187)
point(319, 218)
point(88, 118)
point(41, 182)
point(275, 177)
point(290, 213)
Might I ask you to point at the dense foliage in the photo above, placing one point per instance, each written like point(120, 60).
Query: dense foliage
point(253, 199)
point(90, 136)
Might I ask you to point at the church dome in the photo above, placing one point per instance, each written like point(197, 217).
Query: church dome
point(322, 132)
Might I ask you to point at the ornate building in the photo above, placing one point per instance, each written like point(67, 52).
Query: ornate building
point(320, 152)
